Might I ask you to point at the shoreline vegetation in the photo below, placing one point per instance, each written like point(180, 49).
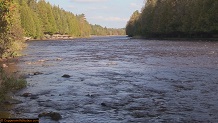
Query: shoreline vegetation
point(10, 83)
point(171, 19)
point(10, 79)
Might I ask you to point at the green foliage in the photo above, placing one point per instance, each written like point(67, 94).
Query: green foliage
point(175, 18)
point(10, 27)
point(40, 17)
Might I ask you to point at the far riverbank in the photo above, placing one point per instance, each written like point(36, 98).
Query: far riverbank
point(176, 39)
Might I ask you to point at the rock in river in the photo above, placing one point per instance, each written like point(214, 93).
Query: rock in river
point(37, 73)
point(103, 104)
point(26, 94)
point(66, 76)
point(54, 115)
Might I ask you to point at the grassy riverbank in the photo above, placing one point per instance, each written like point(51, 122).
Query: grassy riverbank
point(10, 82)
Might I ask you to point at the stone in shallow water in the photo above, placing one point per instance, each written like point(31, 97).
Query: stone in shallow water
point(103, 104)
point(66, 76)
point(53, 115)
point(26, 94)
point(37, 73)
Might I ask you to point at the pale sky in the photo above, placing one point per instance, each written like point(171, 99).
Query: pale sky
point(109, 13)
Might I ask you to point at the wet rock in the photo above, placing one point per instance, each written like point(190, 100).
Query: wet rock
point(37, 73)
point(66, 76)
point(34, 97)
point(103, 104)
point(53, 115)
point(90, 95)
point(26, 94)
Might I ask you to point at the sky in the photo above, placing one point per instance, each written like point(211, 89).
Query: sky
point(109, 13)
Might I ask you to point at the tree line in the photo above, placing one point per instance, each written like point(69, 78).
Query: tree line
point(175, 18)
point(40, 17)
point(99, 30)
point(37, 18)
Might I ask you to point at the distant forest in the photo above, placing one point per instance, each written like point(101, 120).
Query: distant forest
point(37, 19)
point(175, 19)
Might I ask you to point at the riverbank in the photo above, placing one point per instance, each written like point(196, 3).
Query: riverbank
point(74, 38)
point(10, 83)
point(176, 39)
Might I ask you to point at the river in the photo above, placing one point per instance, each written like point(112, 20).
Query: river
point(120, 80)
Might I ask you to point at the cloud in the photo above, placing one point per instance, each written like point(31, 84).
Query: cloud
point(135, 5)
point(114, 19)
point(71, 7)
point(88, 1)
point(98, 8)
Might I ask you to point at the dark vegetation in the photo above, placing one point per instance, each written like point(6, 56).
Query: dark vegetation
point(175, 19)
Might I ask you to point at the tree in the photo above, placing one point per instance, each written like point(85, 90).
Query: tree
point(27, 19)
point(131, 26)
point(176, 18)
point(11, 32)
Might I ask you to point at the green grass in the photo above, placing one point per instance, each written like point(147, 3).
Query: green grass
point(9, 83)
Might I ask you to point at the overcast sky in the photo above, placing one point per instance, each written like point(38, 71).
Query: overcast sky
point(109, 13)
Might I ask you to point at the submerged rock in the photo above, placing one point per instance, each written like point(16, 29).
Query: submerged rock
point(103, 104)
point(26, 94)
point(66, 76)
point(53, 115)
point(37, 73)
point(34, 97)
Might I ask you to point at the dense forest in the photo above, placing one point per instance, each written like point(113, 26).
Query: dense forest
point(38, 19)
point(175, 18)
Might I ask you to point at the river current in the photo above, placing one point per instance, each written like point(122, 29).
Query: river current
point(120, 80)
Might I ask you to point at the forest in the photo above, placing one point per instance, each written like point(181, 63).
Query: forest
point(37, 18)
point(175, 19)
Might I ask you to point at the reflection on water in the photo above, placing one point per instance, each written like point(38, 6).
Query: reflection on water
point(117, 79)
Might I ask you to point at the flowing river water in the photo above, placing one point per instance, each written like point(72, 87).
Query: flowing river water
point(120, 80)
